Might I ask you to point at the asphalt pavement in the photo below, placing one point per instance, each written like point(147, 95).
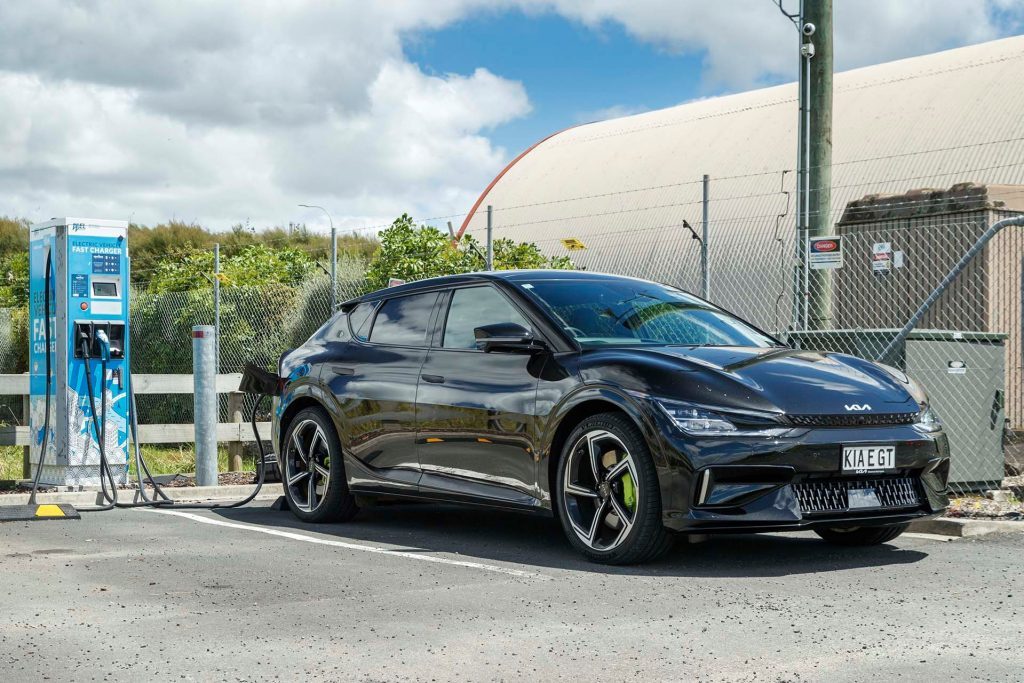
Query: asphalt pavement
point(436, 593)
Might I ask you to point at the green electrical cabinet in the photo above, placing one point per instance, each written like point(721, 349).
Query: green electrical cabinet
point(964, 374)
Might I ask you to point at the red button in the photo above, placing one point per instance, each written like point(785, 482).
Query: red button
point(85, 306)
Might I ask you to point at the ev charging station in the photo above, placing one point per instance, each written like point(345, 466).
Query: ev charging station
point(79, 267)
point(81, 403)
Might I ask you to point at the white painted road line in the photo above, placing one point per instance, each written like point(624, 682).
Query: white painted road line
point(928, 537)
point(348, 546)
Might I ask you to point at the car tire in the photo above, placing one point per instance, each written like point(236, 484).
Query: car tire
point(607, 496)
point(311, 434)
point(861, 536)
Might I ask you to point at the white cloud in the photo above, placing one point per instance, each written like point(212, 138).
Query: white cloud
point(613, 112)
point(744, 42)
point(223, 111)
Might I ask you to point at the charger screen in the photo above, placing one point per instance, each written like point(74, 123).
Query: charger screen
point(104, 289)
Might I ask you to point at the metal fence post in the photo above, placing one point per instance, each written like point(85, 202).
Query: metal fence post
point(334, 269)
point(490, 237)
point(216, 306)
point(235, 399)
point(705, 270)
point(204, 378)
point(26, 456)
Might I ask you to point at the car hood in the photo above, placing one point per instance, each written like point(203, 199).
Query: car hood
point(772, 379)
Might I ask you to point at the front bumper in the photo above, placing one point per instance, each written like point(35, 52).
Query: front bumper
point(796, 481)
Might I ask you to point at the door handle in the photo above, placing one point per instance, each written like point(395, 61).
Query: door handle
point(433, 379)
point(342, 370)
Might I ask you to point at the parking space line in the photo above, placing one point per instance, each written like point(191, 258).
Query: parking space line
point(349, 546)
point(928, 537)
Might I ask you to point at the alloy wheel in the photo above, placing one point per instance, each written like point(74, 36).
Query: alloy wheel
point(307, 466)
point(599, 492)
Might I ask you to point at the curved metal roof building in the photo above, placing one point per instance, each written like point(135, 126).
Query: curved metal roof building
point(624, 186)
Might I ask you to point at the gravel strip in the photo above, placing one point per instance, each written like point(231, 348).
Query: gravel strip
point(979, 507)
point(223, 479)
point(180, 480)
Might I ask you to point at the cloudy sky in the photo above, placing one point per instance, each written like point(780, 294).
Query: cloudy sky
point(235, 111)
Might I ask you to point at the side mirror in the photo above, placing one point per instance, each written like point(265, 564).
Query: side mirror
point(509, 337)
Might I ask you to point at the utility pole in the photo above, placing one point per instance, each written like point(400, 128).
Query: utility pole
point(816, 49)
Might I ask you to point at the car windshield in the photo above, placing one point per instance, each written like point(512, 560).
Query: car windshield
point(607, 312)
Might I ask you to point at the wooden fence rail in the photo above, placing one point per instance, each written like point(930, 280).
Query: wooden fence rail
point(233, 433)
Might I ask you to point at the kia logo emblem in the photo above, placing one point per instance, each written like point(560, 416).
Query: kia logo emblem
point(857, 406)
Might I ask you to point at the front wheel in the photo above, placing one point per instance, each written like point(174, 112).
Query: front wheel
point(313, 471)
point(861, 535)
point(607, 493)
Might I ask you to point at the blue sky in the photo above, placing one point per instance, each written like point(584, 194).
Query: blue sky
point(572, 73)
point(224, 112)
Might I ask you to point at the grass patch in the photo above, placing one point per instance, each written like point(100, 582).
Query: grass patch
point(161, 459)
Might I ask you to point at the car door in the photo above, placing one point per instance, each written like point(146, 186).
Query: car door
point(476, 411)
point(373, 380)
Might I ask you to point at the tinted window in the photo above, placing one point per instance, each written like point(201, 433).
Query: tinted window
point(473, 307)
point(602, 312)
point(359, 320)
point(403, 321)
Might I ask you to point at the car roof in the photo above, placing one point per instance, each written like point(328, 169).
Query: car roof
point(531, 275)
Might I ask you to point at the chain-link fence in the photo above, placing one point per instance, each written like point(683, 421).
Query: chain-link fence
point(257, 324)
point(899, 246)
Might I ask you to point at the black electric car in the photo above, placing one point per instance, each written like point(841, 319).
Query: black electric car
point(629, 410)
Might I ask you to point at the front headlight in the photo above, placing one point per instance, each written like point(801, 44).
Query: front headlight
point(928, 420)
point(698, 420)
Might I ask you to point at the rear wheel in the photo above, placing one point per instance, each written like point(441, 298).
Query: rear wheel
point(313, 471)
point(861, 535)
point(607, 493)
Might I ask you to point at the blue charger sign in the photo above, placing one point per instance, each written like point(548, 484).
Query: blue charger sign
point(88, 294)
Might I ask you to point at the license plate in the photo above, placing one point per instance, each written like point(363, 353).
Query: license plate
point(865, 459)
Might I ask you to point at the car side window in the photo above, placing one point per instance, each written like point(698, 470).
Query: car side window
point(359, 320)
point(402, 321)
point(472, 307)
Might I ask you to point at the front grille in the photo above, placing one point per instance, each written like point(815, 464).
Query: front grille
point(859, 420)
point(832, 495)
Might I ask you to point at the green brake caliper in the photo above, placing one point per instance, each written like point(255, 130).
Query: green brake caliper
point(629, 491)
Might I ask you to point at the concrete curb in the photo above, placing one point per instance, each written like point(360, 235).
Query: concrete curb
point(270, 491)
point(949, 526)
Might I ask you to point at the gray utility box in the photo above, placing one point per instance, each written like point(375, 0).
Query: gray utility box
point(964, 374)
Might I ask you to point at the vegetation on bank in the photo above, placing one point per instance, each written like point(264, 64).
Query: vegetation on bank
point(274, 289)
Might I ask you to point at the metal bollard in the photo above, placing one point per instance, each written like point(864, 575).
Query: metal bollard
point(204, 377)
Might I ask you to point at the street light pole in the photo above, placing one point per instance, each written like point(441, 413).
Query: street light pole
point(334, 256)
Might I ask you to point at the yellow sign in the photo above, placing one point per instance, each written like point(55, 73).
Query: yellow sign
point(573, 244)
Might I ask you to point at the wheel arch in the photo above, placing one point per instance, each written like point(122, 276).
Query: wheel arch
point(307, 394)
point(579, 407)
